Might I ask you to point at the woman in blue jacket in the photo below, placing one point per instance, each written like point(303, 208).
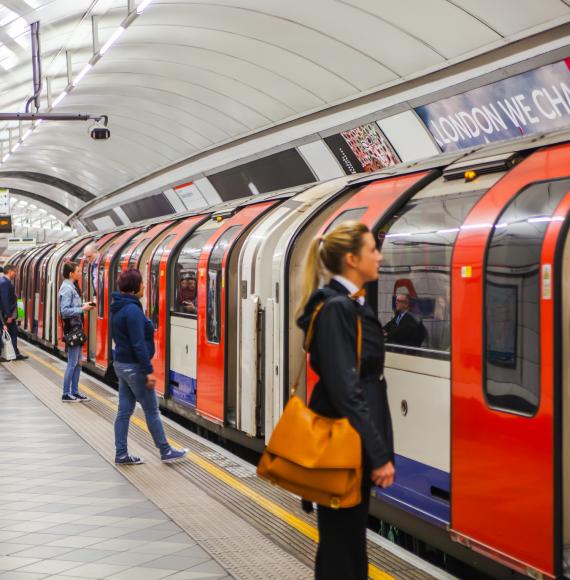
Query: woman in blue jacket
point(133, 334)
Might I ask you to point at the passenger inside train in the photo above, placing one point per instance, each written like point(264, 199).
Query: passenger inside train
point(404, 328)
point(187, 294)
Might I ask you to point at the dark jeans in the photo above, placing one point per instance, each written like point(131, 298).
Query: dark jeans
point(342, 539)
point(132, 388)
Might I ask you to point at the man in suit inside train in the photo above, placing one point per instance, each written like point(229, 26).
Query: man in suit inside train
point(9, 307)
point(91, 254)
point(404, 328)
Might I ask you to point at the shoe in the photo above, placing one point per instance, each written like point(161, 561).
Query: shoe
point(69, 399)
point(82, 398)
point(129, 460)
point(173, 455)
point(22, 357)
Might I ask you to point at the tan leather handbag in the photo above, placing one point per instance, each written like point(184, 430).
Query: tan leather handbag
point(316, 457)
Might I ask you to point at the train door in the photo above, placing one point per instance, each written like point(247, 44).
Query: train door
point(159, 302)
point(506, 464)
point(191, 286)
point(106, 280)
point(43, 289)
point(216, 391)
point(36, 290)
point(89, 294)
point(371, 203)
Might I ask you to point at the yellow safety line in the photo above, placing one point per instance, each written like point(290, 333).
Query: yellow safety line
point(300, 525)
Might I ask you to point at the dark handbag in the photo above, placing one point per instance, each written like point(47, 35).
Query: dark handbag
point(75, 335)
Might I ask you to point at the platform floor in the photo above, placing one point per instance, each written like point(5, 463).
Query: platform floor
point(68, 512)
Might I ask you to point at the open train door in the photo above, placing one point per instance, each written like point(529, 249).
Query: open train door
point(506, 479)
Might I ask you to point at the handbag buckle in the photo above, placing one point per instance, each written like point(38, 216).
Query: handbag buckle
point(335, 503)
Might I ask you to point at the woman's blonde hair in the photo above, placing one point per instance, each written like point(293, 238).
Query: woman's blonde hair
point(329, 251)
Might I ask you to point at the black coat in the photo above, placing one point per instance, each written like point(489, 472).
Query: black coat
point(410, 331)
point(340, 392)
point(8, 298)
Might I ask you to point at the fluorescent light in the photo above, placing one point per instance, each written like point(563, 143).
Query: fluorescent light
point(38, 122)
point(16, 147)
point(80, 76)
point(59, 99)
point(6, 157)
point(142, 6)
point(111, 40)
point(26, 134)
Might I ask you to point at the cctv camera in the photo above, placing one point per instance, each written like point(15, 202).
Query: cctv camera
point(100, 133)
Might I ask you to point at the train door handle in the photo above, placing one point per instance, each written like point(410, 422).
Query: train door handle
point(404, 407)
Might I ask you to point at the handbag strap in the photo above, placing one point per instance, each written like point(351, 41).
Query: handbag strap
point(309, 338)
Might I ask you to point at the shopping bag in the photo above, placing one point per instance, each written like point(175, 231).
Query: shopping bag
point(8, 352)
point(20, 309)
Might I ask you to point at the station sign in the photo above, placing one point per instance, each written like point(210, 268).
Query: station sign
point(5, 224)
point(532, 102)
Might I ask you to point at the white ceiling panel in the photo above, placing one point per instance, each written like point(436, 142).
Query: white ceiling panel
point(189, 75)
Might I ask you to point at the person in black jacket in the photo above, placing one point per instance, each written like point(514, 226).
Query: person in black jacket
point(9, 307)
point(404, 328)
point(350, 254)
point(133, 334)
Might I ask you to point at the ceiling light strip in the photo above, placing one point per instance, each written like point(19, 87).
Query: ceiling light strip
point(143, 4)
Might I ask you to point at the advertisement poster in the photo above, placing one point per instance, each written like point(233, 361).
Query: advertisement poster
point(363, 148)
point(532, 102)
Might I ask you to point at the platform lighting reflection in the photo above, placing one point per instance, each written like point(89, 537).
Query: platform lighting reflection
point(141, 7)
point(111, 40)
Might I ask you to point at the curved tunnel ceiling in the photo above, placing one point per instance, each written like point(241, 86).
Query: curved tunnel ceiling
point(187, 76)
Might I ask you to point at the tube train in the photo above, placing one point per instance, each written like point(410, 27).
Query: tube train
point(481, 409)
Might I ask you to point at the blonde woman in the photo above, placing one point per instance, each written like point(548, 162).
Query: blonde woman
point(349, 253)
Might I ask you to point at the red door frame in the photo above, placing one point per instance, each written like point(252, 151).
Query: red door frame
point(161, 361)
point(43, 292)
point(26, 288)
point(103, 345)
point(36, 262)
point(503, 479)
point(212, 362)
point(381, 199)
point(146, 238)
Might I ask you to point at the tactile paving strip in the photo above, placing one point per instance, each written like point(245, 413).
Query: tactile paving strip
point(212, 531)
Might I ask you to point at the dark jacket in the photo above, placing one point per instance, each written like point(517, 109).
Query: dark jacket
point(132, 332)
point(340, 392)
point(8, 299)
point(410, 331)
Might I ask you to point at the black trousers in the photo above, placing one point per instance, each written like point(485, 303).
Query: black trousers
point(341, 554)
point(13, 330)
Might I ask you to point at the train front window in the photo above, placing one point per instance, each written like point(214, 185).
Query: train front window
point(136, 254)
point(215, 280)
point(155, 279)
point(512, 298)
point(414, 283)
point(186, 274)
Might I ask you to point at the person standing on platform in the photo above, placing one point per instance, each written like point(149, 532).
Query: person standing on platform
point(9, 306)
point(133, 334)
point(71, 311)
point(91, 254)
point(350, 254)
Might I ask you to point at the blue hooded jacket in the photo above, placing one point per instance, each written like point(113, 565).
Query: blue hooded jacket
point(132, 332)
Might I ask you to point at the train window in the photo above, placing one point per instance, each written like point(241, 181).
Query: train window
point(136, 254)
point(414, 283)
point(186, 274)
point(101, 286)
point(350, 214)
point(155, 278)
point(512, 298)
point(215, 277)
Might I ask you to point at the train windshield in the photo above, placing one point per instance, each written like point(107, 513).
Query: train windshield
point(154, 302)
point(414, 283)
